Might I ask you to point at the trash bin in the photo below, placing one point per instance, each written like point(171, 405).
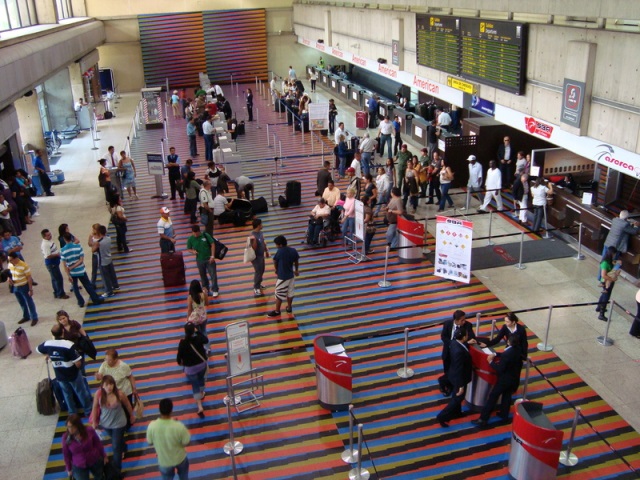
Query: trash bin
point(483, 378)
point(535, 444)
point(333, 372)
point(411, 236)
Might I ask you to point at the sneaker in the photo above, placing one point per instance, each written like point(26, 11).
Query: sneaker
point(289, 309)
point(107, 295)
point(273, 314)
point(215, 294)
point(35, 214)
point(116, 289)
point(257, 292)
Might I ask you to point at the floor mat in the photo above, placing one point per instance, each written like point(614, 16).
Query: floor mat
point(493, 256)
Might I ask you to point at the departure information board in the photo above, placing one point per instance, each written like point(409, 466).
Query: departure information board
point(438, 42)
point(488, 51)
point(494, 53)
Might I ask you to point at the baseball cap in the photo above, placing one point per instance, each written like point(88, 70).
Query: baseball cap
point(165, 210)
point(471, 158)
point(404, 145)
point(351, 170)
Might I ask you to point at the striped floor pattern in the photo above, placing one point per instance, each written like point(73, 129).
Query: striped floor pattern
point(289, 435)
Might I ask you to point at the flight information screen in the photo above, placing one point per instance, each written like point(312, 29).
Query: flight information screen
point(438, 42)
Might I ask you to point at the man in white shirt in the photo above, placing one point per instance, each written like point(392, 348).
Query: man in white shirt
point(220, 204)
point(475, 178)
point(274, 90)
point(208, 130)
point(355, 164)
point(444, 119)
point(339, 132)
point(386, 132)
point(493, 185)
point(367, 146)
point(218, 90)
point(292, 73)
point(111, 157)
point(51, 254)
point(206, 202)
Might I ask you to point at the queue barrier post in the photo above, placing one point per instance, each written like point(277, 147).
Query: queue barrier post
point(579, 255)
point(268, 139)
point(478, 315)
point(359, 473)
point(277, 174)
point(526, 379)
point(493, 328)
point(520, 265)
point(604, 340)
point(489, 242)
point(257, 118)
point(544, 346)
point(350, 455)
point(232, 447)
point(425, 250)
point(280, 151)
point(405, 371)
point(273, 201)
point(566, 457)
point(384, 283)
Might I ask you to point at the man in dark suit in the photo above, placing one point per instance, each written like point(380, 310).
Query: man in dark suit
point(510, 327)
point(508, 366)
point(459, 322)
point(506, 159)
point(459, 376)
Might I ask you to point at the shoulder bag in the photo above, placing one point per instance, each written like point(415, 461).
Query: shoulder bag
point(206, 368)
point(249, 252)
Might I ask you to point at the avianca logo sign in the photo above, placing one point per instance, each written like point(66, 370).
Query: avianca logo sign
point(537, 127)
point(605, 154)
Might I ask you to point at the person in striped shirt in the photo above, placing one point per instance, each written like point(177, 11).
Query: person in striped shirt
point(22, 284)
point(73, 257)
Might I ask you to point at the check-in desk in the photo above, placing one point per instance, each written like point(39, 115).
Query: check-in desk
point(334, 84)
point(324, 79)
point(356, 96)
point(385, 108)
point(419, 131)
point(406, 118)
point(344, 89)
point(483, 378)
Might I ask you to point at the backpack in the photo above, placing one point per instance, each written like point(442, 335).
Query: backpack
point(282, 200)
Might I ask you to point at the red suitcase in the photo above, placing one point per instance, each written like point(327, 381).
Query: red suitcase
point(172, 265)
point(20, 346)
point(361, 120)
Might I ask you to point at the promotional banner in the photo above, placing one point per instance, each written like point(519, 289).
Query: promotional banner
point(359, 220)
point(318, 116)
point(453, 249)
point(155, 164)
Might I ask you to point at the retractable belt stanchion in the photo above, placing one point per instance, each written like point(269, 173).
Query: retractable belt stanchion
point(268, 140)
point(359, 473)
point(257, 117)
point(546, 225)
point(520, 265)
point(579, 255)
point(405, 371)
point(350, 455)
point(384, 283)
point(273, 201)
point(277, 176)
point(478, 315)
point(489, 242)
point(493, 328)
point(526, 379)
point(604, 340)
point(566, 457)
point(544, 346)
point(232, 447)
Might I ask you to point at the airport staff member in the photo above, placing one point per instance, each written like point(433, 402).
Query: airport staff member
point(458, 322)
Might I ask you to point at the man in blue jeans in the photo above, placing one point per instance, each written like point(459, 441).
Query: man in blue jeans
point(51, 253)
point(169, 438)
point(66, 363)
point(22, 285)
point(73, 257)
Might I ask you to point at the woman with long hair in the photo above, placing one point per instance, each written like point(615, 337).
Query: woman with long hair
point(72, 331)
point(119, 220)
point(446, 177)
point(128, 169)
point(82, 450)
point(193, 358)
point(197, 302)
point(110, 410)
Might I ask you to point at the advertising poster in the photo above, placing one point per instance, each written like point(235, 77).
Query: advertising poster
point(318, 116)
point(453, 249)
point(359, 220)
point(155, 164)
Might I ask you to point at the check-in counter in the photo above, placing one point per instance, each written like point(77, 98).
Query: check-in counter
point(334, 84)
point(419, 131)
point(345, 89)
point(324, 79)
point(366, 96)
point(356, 96)
point(406, 118)
point(386, 108)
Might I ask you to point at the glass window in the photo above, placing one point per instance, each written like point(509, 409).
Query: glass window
point(16, 14)
point(64, 9)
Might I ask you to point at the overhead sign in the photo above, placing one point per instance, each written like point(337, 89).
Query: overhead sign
point(395, 52)
point(155, 164)
point(572, 102)
point(454, 239)
point(483, 106)
point(461, 85)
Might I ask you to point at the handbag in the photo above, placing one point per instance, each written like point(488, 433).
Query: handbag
point(139, 407)
point(249, 252)
point(206, 368)
point(87, 347)
point(221, 249)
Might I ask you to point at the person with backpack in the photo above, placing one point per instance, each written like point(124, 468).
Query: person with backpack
point(203, 247)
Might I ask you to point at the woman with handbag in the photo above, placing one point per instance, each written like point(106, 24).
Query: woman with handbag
point(261, 251)
point(119, 220)
point(82, 450)
point(121, 373)
point(197, 302)
point(110, 410)
point(193, 358)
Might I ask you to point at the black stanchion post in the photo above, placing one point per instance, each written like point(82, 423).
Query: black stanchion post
point(273, 199)
point(526, 379)
point(277, 176)
point(350, 455)
point(545, 347)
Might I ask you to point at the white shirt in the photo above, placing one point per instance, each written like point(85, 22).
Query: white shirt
point(382, 183)
point(475, 175)
point(4, 206)
point(337, 134)
point(539, 195)
point(219, 204)
point(218, 90)
point(444, 119)
point(207, 128)
point(205, 197)
point(386, 128)
point(49, 247)
point(243, 181)
point(111, 158)
point(494, 179)
point(367, 145)
point(355, 164)
point(272, 84)
point(292, 74)
point(319, 211)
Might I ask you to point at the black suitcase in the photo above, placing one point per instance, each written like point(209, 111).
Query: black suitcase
point(423, 110)
point(282, 201)
point(108, 115)
point(240, 128)
point(173, 274)
point(259, 205)
point(355, 143)
point(324, 132)
point(293, 193)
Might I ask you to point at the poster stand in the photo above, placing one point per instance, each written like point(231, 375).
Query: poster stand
point(351, 243)
point(245, 387)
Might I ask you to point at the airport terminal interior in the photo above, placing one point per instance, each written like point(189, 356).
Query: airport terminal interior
point(535, 73)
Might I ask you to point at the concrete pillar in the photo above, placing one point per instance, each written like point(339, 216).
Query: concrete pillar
point(327, 28)
point(46, 11)
point(31, 126)
point(59, 100)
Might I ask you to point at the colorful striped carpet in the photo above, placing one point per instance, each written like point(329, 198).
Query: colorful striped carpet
point(289, 436)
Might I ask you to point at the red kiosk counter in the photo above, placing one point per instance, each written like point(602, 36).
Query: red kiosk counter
point(483, 378)
point(333, 372)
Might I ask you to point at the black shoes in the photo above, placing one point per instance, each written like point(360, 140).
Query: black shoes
point(478, 422)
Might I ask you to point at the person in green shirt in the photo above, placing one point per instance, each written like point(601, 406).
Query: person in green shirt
point(204, 248)
point(169, 438)
point(402, 159)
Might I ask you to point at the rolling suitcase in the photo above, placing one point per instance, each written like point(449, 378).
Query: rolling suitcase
point(45, 401)
point(362, 121)
point(108, 115)
point(259, 205)
point(293, 193)
point(3, 336)
point(173, 274)
point(20, 344)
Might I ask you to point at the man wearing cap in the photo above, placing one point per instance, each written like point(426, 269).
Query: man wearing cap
point(166, 232)
point(354, 181)
point(404, 155)
point(474, 184)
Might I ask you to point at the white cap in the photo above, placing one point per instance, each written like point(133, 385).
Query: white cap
point(471, 158)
